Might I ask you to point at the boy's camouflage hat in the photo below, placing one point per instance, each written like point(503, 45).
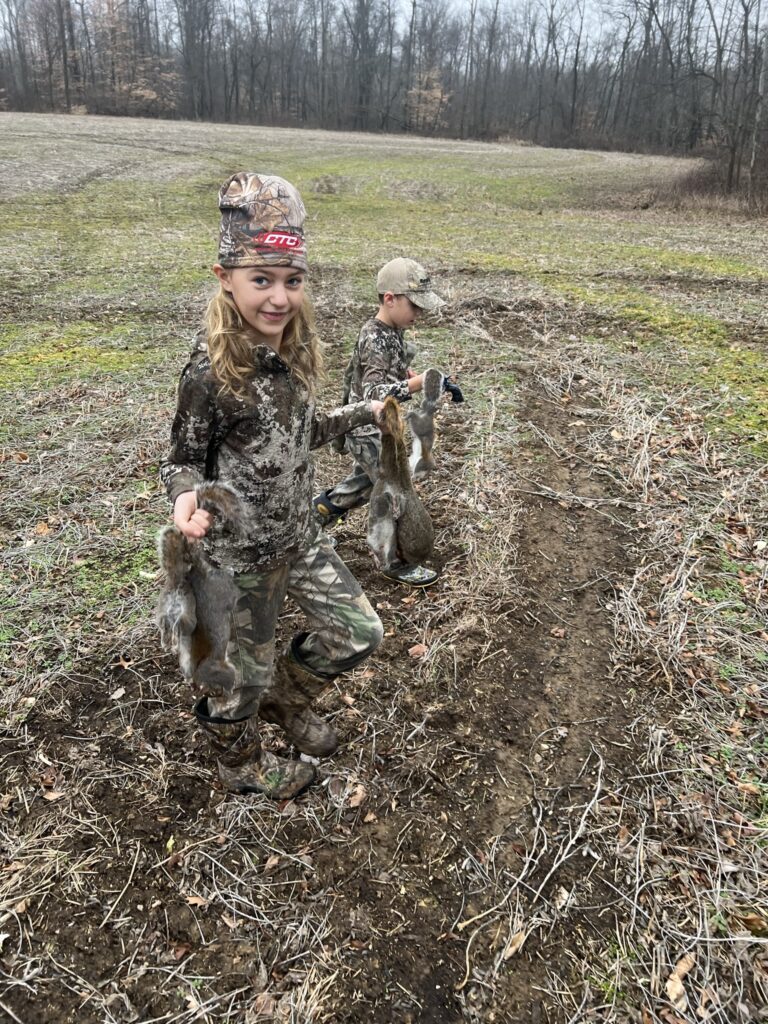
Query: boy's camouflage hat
point(407, 277)
point(262, 222)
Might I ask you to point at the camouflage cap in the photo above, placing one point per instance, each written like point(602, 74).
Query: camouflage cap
point(262, 222)
point(407, 277)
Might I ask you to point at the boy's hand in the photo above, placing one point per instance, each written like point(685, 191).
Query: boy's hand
point(193, 522)
point(415, 381)
point(410, 373)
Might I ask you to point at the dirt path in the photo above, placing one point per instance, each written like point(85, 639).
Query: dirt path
point(524, 722)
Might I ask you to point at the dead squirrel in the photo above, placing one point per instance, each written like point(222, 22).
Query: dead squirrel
point(422, 422)
point(399, 527)
point(197, 599)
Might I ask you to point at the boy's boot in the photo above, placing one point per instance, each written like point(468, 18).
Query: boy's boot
point(326, 513)
point(286, 703)
point(243, 766)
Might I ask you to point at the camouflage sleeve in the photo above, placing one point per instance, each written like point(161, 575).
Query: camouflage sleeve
point(377, 379)
point(184, 466)
point(327, 425)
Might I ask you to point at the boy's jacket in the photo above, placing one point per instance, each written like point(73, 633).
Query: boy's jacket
point(260, 446)
point(378, 367)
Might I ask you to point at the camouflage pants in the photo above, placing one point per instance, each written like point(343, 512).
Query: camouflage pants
point(343, 627)
point(355, 489)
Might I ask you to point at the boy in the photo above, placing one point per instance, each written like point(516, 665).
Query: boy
point(379, 367)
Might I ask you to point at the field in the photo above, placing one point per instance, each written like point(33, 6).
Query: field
point(551, 800)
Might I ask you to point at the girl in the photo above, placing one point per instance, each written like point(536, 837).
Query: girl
point(246, 418)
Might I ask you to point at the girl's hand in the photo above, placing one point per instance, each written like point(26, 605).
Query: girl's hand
point(378, 413)
point(193, 522)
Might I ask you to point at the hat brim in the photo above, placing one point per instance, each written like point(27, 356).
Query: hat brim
point(428, 301)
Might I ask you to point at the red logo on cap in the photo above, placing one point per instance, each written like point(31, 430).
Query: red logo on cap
point(279, 240)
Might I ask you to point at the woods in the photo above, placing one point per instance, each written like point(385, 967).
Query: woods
point(672, 76)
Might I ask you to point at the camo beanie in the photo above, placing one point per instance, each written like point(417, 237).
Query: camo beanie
point(262, 222)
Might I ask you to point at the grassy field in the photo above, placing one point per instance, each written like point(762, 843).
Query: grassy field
point(559, 811)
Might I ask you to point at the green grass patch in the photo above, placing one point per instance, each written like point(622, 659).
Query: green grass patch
point(48, 353)
point(97, 583)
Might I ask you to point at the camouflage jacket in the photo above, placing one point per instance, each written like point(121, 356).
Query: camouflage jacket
point(378, 367)
point(260, 446)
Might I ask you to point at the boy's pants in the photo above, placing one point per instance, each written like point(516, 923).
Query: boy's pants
point(355, 489)
point(343, 627)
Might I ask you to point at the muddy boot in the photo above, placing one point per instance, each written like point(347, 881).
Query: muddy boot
point(286, 703)
point(243, 766)
point(411, 575)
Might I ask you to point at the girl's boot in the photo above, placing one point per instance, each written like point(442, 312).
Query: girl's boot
point(286, 703)
point(243, 766)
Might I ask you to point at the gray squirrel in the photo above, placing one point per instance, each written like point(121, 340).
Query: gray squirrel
point(399, 527)
point(197, 599)
point(422, 422)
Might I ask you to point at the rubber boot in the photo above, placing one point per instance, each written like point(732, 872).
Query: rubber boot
point(286, 703)
point(326, 512)
point(243, 766)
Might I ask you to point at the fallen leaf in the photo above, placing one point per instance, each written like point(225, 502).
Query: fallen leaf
point(370, 816)
point(53, 794)
point(171, 842)
point(514, 945)
point(197, 901)
point(749, 787)
point(348, 699)
point(755, 923)
point(119, 692)
point(272, 861)
point(181, 950)
point(674, 986)
point(336, 787)
point(42, 529)
point(368, 674)
point(6, 800)
point(418, 650)
point(670, 1018)
point(264, 1004)
point(358, 795)
point(561, 898)
point(21, 907)
point(557, 631)
point(230, 922)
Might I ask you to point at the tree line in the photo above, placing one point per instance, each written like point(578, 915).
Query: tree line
point(655, 75)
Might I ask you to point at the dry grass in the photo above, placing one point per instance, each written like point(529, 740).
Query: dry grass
point(485, 848)
point(684, 836)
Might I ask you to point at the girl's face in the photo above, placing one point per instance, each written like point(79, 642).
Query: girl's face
point(268, 298)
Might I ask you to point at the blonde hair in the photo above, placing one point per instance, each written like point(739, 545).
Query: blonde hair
point(230, 345)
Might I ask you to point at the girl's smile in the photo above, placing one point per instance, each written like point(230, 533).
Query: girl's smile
point(267, 297)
